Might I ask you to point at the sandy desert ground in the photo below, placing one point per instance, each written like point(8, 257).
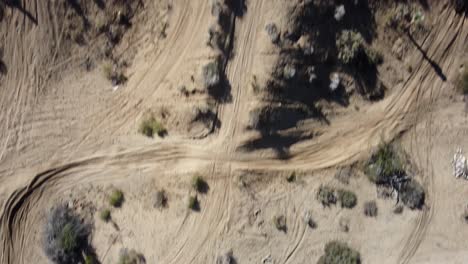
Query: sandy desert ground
point(67, 135)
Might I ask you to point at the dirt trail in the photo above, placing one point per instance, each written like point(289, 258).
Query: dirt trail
point(344, 141)
point(27, 62)
point(438, 45)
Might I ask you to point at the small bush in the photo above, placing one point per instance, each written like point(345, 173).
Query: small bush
point(384, 164)
point(370, 209)
point(398, 209)
point(412, 194)
point(309, 220)
point(465, 216)
point(344, 224)
point(149, 127)
point(326, 196)
point(352, 49)
point(116, 198)
point(280, 222)
point(291, 177)
point(65, 236)
point(105, 215)
point(339, 253)
point(90, 259)
point(347, 198)
point(113, 74)
point(463, 81)
point(160, 199)
point(211, 74)
point(193, 203)
point(460, 5)
point(343, 175)
point(199, 184)
point(273, 32)
point(131, 257)
point(349, 44)
point(226, 258)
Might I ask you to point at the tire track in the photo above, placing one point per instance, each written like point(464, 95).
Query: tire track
point(416, 237)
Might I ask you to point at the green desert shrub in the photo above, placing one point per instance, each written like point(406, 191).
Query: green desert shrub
point(326, 195)
point(349, 44)
point(384, 163)
point(65, 237)
point(339, 253)
point(150, 126)
point(116, 198)
point(105, 215)
point(90, 259)
point(352, 49)
point(193, 203)
point(412, 194)
point(347, 198)
point(127, 256)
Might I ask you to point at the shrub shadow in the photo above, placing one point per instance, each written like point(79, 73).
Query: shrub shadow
point(280, 144)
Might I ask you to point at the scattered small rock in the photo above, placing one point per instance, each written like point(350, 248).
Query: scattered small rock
point(339, 12)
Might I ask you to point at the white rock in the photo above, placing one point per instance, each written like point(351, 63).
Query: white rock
point(335, 82)
point(339, 12)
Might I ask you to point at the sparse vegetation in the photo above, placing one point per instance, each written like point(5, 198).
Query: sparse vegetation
point(199, 184)
point(326, 196)
point(463, 81)
point(460, 5)
point(398, 209)
point(65, 236)
point(370, 209)
point(113, 73)
point(150, 126)
point(280, 222)
point(352, 48)
point(90, 259)
point(291, 177)
point(105, 215)
point(116, 198)
point(339, 253)
point(344, 224)
point(412, 194)
point(347, 198)
point(226, 258)
point(349, 44)
point(343, 175)
point(160, 199)
point(127, 256)
point(384, 163)
point(403, 17)
point(273, 32)
point(211, 74)
point(308, 219)
point(465, 215)
point(193, 203)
